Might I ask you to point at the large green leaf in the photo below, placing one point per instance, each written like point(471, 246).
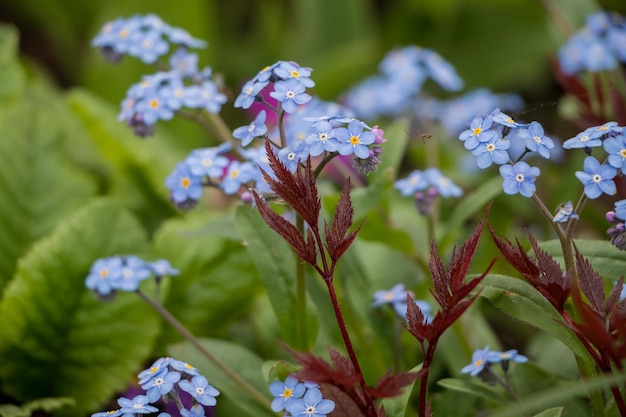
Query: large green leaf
point(218, 281)
point(233, 400)
point(56, 338)
point(133, 169)
point(473, 388)
point(28, 409)
point(552, 412)
point(38, 183)
point(605, 258)
point(522, 302)
point(12, 75)
point(276, 263)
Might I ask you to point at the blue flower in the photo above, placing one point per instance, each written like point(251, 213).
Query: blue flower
point(138, 405)
point(441, 71)
point(249, 93)
point(209, 96)
point(503, 119)
point(158, 366)
point(414, 182)
point(148, 46)
point(291, 156)
point(510, 355)
point(605, 129)
point(160, 384)
point(153, 108)
point(195, 411)
point(597, 178)
point(286, 392)
point(478, 132)
point(620, 209)
point(200, 389)
point(163, 267)
point(291, 70)
point(312, 405)
point(111, 413)
point(490, 152)
point(133, 271)
point(183, 184)
point(480, 358)
point(323, 139)
point(238, 174)
point(444, 186)
point(565, 213)
point(616, 39)
point(615, 147)
point(535, 139)
point(519, 178)
point(290, 94)
point(254, 130)
point(582, 140)
point(397, 294)
point(208, 161)
point(103, 274)
point(183, 367)
point(354, 140)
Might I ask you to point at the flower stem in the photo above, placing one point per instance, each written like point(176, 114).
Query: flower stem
point(180, 328)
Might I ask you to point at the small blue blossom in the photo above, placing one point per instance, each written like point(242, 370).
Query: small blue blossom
point(443, 185)
point(290, 94)
point(414, 182)
point(441, 71)
point(620, 209)
point(323, 139)
point(183, 184)
point(479, 131)
point(605, 129)
point(200, 389)
point(616, 39)
point(208, 161)
point(480, 358)
point(503, 119)
point(183, 367)
point(138, 405)
point(494, 151)
point(353, 140)
point(196, 410)
point(312, 405)
point(104, 274)
point(154, 107)
point(510, 355)
point(286, 392)
point(397, 294)
point(582, 140)
point(615, 147)
point(111, 413)
point(292, 156)
point(133, 271)
point(162, 267)
point(597, 178)
point(238, 174)
point(160, 384)
point(291, 70)
point(148, 46)
point(519, 178)
point(249, 93)
point(565, 213)
point(254, 130)
point(535, 139)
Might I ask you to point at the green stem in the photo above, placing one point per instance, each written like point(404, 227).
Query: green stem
point(180, 328)
point(301, 316)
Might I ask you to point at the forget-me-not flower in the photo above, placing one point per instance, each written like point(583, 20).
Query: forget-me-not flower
point(597, 178)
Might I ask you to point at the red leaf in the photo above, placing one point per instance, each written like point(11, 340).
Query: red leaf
point(391, 385)
point(316, 369)
point(440, 277)
point(590, 283)
point(345, 405)
point(416, 324)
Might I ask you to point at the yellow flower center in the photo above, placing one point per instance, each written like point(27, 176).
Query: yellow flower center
point(295, 74)
point(104, 272)
point(234, 173)
point(622, 153)
point(154, 103)
point(287, 393)
point(477, 131)
point(478, 362)
point(185, 182)
point(354, 140)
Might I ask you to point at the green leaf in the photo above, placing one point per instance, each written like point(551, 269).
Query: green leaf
point(521, 301)
point(233, 400)
point(39, 184)
point(276, 263)
point(43, 404)
point(605, 258)
point(12, 76)
point(474, 388)
point(552, 412)
point(215, 272)
point(396, 406)
point(56, 338)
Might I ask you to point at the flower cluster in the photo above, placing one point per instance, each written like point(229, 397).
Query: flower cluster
point(482, 359)
point(144, 37)
point(498, 139)
point(403, 72)
point(299, 398)
point(617, 232)
point(125, 273)
point(396, 297)
point(597, 176)
point(599, 46)
point(160, 95)
point(165, 380)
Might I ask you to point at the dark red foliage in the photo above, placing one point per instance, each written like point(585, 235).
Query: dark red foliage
point(391, 385)
point(543, 272)
point(337, 242)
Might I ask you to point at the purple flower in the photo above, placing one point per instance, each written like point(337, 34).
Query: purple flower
point(597, 178)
